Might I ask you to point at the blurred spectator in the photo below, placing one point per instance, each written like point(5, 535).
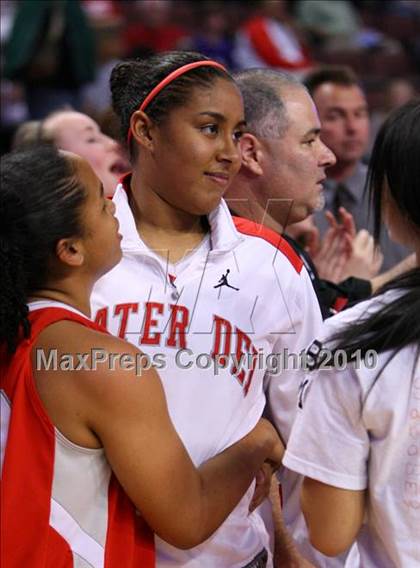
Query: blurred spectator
point(7, 14)
point(13, 109)
point(336, 25)
point(398, 91)
point(51, 51)
point(398, 19)
point(26, 135)
point(270, 39)
point(109, 123)
point(106, 18)
point(403, 8)
point(150, 28)
point(344, 116)
point(78, 133)
point(211, 36)
point(102, 13)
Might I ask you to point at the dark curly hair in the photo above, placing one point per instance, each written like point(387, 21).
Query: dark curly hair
point(40, 201)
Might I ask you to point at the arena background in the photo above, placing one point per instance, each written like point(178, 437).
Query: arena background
point(65, 49)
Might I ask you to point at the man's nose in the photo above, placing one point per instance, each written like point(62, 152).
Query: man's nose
point(327, 157)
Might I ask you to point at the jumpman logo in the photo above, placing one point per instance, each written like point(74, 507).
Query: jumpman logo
point(224, 282)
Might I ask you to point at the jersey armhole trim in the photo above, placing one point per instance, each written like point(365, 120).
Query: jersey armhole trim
point(35, 398)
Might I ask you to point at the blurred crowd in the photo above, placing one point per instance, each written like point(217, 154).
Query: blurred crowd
point(61, 52)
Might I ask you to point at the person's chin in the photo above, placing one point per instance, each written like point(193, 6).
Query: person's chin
point(203, 209)
point(351, 156)
point(318, 204)
point(297, 215)
point(212, 204)
point(110, 183)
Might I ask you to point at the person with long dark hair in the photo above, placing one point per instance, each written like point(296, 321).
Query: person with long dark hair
point(86, 438)
point(356, 437)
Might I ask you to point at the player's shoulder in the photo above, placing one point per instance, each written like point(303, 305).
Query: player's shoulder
point(268, 240)
point(74, 336)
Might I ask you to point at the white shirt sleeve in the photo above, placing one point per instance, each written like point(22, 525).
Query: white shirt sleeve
point(329, 441)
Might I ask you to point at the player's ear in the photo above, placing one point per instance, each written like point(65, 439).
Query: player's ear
point(70, 251)
point(252, 154)
point(142, 129)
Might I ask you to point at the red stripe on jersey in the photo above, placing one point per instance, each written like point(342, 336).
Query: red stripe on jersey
point(59, 553)
point(253, 229)
point(27, 475)
point(128, 544)
point(28, 464)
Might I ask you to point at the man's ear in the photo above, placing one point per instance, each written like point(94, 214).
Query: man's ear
point(252, 153)
point(141, 129)
point(70, 252)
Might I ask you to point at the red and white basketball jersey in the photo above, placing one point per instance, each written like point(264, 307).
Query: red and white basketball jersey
point(61, 505)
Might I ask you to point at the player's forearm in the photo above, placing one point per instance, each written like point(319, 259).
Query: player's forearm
point(285, 551)
point(403, 266)
point(202, 498)
point(333, 515)
point(227, 476)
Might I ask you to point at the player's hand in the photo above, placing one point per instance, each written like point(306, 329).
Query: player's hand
point(344, 223)
point(262, 485)
point(333, 254)
point(365, 260)
point(276, 452)
point(272, 463)
point(266, 435)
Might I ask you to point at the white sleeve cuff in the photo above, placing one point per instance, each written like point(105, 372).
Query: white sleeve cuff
point(314, 471)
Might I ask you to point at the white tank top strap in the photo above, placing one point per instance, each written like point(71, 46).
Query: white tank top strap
point(42, 304)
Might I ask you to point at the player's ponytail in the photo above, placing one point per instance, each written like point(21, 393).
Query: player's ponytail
point(391, 327)
point(40, 200)
point(13, 308)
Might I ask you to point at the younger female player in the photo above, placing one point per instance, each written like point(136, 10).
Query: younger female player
point(213, 296)
point(85, 433)
point(357, 437)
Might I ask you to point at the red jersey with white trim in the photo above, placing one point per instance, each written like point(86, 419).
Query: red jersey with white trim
point(209, 329)
point(61, 505)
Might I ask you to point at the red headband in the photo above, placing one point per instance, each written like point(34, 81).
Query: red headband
point(171, 77)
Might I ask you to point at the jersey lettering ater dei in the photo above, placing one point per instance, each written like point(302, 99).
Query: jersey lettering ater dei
point(209, 323)
point(61, 505)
